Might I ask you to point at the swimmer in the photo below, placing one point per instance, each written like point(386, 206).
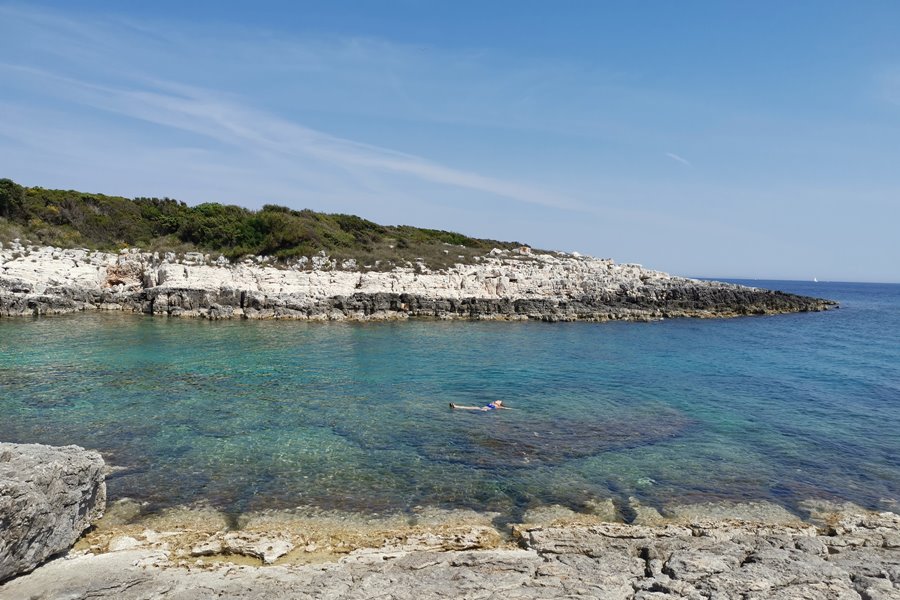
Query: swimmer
point(495, 405)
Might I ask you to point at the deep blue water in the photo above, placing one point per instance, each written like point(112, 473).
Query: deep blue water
point(249, 415)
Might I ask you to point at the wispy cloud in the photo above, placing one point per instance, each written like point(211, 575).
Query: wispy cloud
point(495, 142)
point(679, 159)
point(351, 74)
point(210, 114)
point(104, 71)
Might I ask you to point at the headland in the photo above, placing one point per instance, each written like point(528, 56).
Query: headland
point(65, 251)
point(504, 284)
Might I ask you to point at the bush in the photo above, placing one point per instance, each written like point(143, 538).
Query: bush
point(12, 199)
point(69, 218)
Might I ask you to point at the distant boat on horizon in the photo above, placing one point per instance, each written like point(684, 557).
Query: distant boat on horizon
point(815, 280)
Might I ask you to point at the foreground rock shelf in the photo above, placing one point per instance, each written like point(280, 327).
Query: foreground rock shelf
point(722, 551)
point(848, 556)
point(504, 284)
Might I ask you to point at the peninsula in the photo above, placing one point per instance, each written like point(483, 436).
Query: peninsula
point(65, 251)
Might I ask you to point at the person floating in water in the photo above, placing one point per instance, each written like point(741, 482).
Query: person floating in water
point(495, 405)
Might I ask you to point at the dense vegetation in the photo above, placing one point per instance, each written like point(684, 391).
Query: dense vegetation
point(77, 219)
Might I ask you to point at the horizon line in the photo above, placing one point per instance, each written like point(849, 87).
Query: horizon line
point(733, 278)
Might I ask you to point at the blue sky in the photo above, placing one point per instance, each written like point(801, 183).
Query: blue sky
point(707, 139)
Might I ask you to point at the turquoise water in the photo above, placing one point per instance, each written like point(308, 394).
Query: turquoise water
point(250, 415)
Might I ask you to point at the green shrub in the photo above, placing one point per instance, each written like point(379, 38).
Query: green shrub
point(70, 218)
point(12, 199)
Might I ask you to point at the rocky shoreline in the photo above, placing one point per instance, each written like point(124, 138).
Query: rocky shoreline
point(505, 285)
point(722, 550)
point(855, 556)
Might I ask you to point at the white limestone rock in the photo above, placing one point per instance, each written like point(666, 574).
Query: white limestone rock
point(264, 547)
point(48, 497)
point(554, 287)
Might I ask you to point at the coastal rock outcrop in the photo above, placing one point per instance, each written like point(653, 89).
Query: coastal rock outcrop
point(504, 284)
point(855, 556)
point(48, 497)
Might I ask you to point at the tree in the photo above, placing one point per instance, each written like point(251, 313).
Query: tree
point(12, 198)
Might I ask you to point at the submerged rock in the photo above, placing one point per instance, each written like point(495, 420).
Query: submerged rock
point(491, 443)
point(48, 497)
point(762, 512)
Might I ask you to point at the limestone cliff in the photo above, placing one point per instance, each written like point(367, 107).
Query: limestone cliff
point(504, 284)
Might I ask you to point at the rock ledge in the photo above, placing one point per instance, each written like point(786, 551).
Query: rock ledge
point(504, 285)
point(853, 555)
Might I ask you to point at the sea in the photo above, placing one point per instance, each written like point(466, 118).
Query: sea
point(254, 415)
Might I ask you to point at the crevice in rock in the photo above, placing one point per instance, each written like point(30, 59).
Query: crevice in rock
point(646, 555)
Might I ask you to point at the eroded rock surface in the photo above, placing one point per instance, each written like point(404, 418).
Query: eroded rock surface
point(855, 556)
point(502, 285)
point(48, 497)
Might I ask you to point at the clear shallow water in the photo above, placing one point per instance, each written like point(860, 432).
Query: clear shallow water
point(252, 415)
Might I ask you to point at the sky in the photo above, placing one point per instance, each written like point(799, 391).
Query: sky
point(708, 139)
